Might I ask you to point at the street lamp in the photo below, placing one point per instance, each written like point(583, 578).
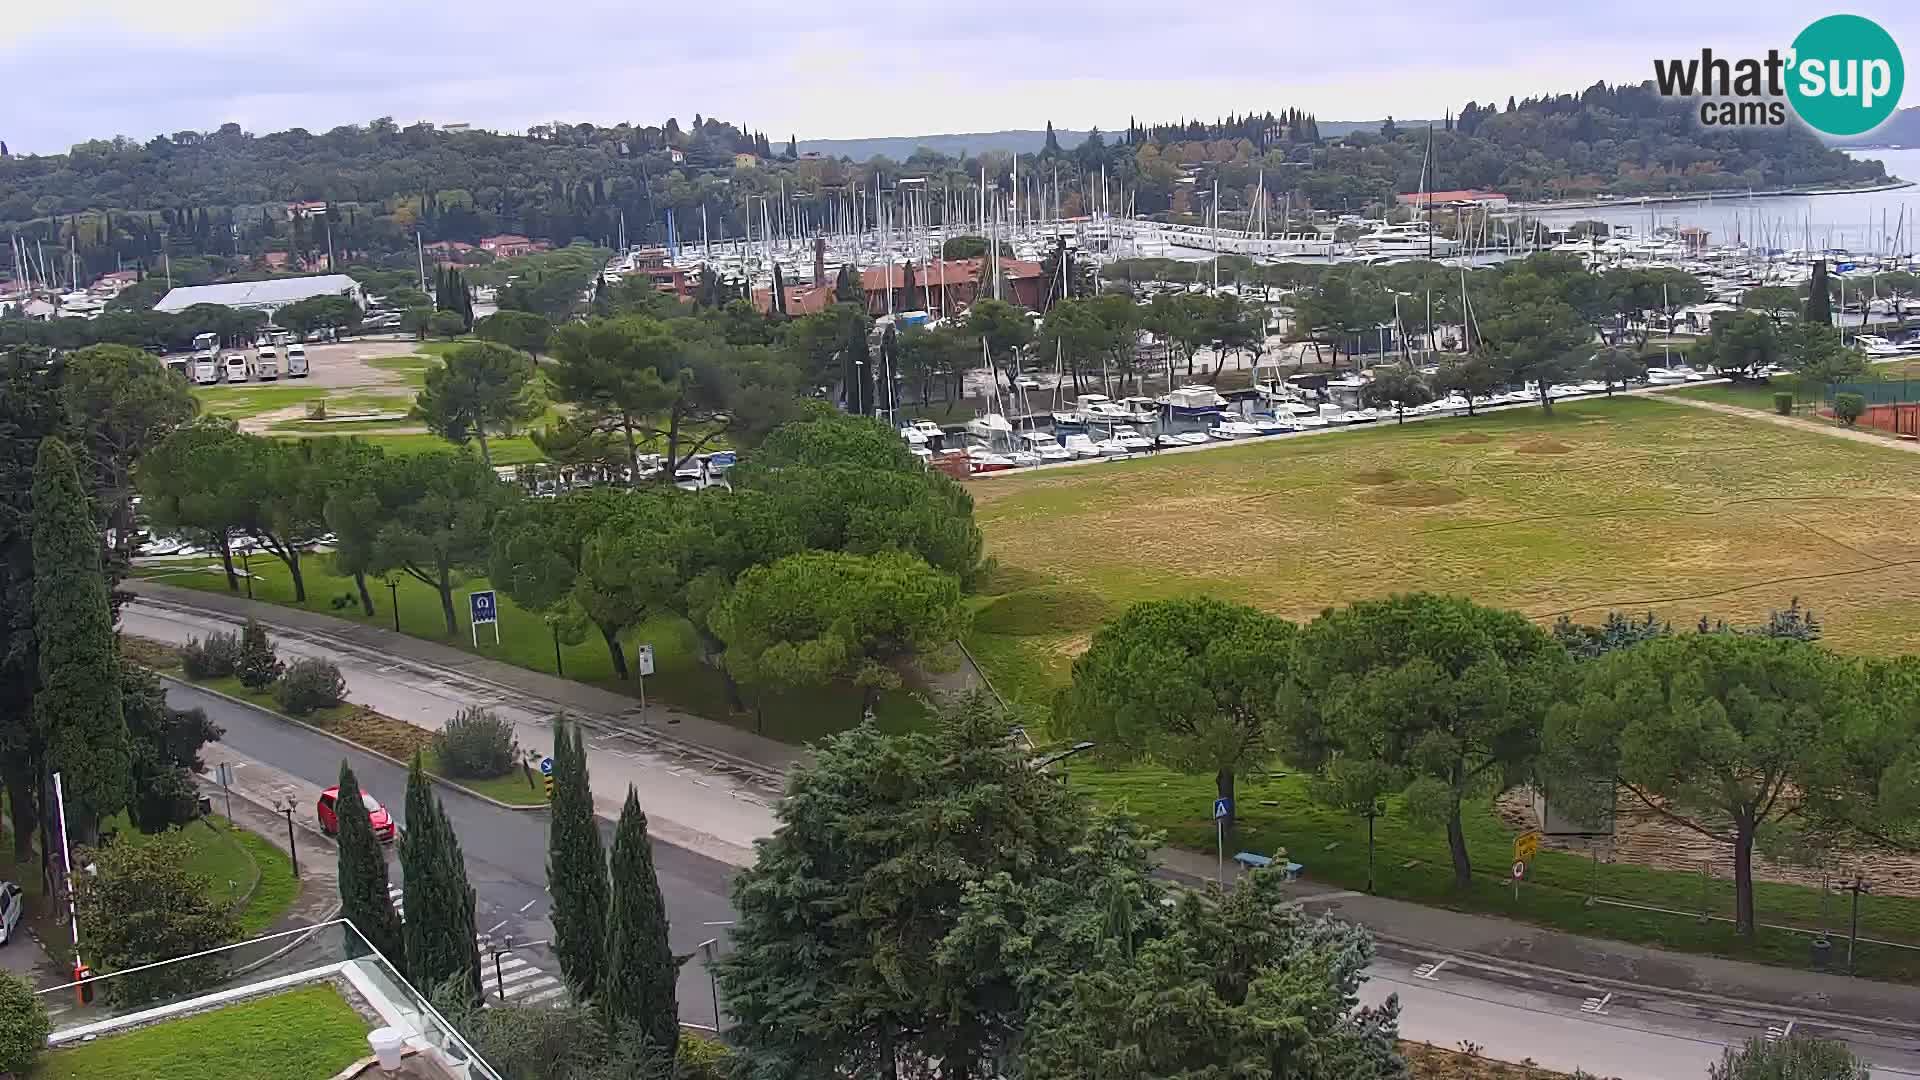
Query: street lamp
point(246, 567)
point(713, 984)
point(286, 806)
point(393, 601)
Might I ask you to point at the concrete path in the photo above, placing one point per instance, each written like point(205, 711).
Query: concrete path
point(1883, 441)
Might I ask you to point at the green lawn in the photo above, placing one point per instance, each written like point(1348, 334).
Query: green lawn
point(251, 400)
point(233, 861)
point(299, 1035)
point(1747, 395)
point(511, 788)
point(1411, 863)
point(412, 368)
point(679, 678)
point(1631, 504)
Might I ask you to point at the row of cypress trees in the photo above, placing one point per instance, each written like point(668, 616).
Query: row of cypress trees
point(609, 921)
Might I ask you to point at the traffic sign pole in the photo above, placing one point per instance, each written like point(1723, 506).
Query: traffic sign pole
point(1221, 808)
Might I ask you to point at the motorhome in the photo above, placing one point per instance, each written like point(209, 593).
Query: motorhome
point(236, 367)
point(266, 364)
point(296, 361)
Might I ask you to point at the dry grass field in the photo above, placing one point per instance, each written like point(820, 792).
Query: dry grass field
point(1629, 504)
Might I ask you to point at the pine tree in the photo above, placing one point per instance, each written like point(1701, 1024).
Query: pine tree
point(641, 973)
point(441, 942)
point(793, 149)
point(364, 900)
point(1052, 147)
point(576, 867)
point(77, 708)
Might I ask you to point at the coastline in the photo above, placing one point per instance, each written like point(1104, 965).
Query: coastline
point(1705, 196)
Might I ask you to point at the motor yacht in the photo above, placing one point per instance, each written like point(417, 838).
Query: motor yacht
point(1044, 446)
point(1229, 430)
point(1129, 437)
point(1193, 400)
point(980, 459)
point(1081, 445)
point(991, 428)
point(1410, 238)
point(1272, 424)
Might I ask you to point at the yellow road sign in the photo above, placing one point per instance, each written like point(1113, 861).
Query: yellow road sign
point(1526, 845)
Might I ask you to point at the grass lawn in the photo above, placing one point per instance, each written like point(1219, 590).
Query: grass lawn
point(412, 368)
point(243, 401)
point(298, 1035)
point(1747, 395)
point(233, 861)
point(1411, 863)
point(680, 678)
point(1632, 504)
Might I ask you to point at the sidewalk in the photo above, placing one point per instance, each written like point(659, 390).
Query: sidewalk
point(255, 789)
point(1532, 952)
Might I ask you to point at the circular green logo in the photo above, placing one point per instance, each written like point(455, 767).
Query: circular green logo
point(1846, 75)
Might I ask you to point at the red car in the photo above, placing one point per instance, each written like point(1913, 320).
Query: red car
point(376, 815)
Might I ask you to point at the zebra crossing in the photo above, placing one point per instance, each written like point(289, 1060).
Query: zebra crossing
point(512, 979)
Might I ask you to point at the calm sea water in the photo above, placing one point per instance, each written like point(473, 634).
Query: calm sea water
point(1877, 221)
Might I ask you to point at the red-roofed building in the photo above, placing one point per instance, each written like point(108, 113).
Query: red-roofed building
point(939, 287)
point(450, 249)
point(652, 264)
point(509, 245)
point(1464, 197)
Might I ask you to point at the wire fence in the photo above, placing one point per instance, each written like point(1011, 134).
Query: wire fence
point(1887, 392)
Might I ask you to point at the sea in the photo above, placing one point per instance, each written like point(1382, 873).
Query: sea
point(1868, 222)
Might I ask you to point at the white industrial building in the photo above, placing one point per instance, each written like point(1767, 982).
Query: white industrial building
point(269, 296)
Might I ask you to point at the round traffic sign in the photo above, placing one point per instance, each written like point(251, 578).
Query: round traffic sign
point(1519, 870)
point(546, 766)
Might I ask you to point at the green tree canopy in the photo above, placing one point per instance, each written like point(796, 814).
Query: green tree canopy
point(1741, 343)
point(637, 984)
point(1723, 734)
point(127, 929)
point(1448, 696)
point(126, 403)
point(523, 330)
point(435, 514)
point(442, 942)
point(362, 875)
point(576, 867)
point(1187, 683)
point(480, 388)
point(1397, 389)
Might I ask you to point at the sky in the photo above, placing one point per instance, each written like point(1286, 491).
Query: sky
point(139, 68)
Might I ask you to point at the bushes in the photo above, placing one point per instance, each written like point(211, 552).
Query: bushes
point(257, 666)
point(476, 745)
point(214, 657)
point(23, 1025)
point(1783, 404)
point(1848, 408)
point(308, 685)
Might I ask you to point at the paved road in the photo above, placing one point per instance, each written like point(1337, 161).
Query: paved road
point(505, 849)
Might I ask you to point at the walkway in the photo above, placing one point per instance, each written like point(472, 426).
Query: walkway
point(1884, 442)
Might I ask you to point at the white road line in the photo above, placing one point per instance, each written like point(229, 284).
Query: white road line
point(489, 930)
point(528, 904)
point(511, 977)
point(1431, 971)
point(1596, 1006)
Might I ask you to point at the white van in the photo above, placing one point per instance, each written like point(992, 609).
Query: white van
point(237, 367)
point(296, 361)
point(266, 363)
point(206, 369)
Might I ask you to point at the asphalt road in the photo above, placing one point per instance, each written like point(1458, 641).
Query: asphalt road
point(506, 850)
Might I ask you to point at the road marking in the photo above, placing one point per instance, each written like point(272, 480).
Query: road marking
point(1431, 971)
point(488, 932)
point(1316, 898)
point(1775, 1034)
point(1596, 1006)
point(528, 904)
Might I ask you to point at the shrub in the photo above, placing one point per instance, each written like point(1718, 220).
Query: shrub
point(213, 657)
point(162, 799)
point(23, 1024)
point(310, 684)
point(257, 666)
point(1848, 407)
point(1783, 404)
point(702, 1058)
point(476, 744)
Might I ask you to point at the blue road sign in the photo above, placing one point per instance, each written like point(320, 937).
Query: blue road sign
point(1222, 807)
point(484, 608)
point(546, 766)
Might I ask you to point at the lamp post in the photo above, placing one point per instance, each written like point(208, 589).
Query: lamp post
point(393, 601)
point(713, 984)
point(286, 808)
point(246, 568)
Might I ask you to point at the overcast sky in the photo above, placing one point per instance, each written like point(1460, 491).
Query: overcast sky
point(76, 71)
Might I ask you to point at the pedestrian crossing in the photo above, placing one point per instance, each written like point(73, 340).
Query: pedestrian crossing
point(511, 979)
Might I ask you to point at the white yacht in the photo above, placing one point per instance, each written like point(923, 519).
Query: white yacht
point(1141, 410)
point(991, 427)
point(1408, 238)
point(1879, 348)
point(1130, 438)
point(1045, 446)
point(1099, 408)
point(1082, 445)
point(1193, 400)
point(1229, 430)
point(1273, 423)
point(980, 459)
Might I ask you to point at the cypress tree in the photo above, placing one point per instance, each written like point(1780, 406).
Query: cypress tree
point(576, 867)
point(1819, 299)
point(637, 992)
point(363, 875)
point(441, 941)
point(77, 709)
